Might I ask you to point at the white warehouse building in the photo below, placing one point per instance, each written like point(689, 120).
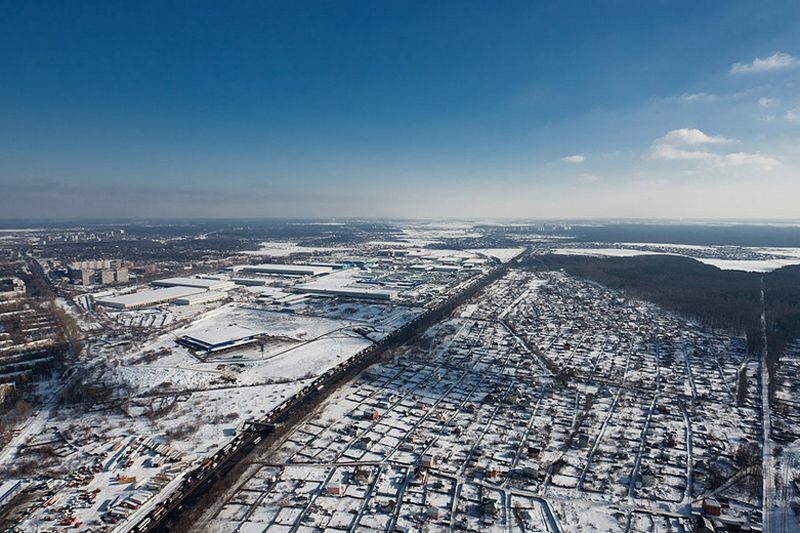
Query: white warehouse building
point(348, 292)
point(216, 339)
point(291, 270)
point(201, 298)
point(148, 298)
point(200, 283)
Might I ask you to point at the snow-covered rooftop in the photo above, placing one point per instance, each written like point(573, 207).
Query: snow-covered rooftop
point(275, 268)
point(149, 297)
point(220, 338)
point(202, 283)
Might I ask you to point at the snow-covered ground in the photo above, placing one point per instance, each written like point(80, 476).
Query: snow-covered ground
point(503, 254)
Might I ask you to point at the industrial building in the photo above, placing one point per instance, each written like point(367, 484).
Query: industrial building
point(348, 292)
point(201, 298)
point(147, 298)
point(253, 282)
point(289, 270)
point(199, 283)
point(335, 266)
point(447, 268)
point(220, 338)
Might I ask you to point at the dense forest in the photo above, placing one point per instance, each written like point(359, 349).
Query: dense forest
point(782, 299)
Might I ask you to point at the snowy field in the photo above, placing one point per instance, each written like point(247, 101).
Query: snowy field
point(765, 265)
point(503, 254)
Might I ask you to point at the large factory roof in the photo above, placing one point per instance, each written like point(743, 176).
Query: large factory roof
point(201, 298)
point(351, 292)
point(277, 268)
point(220, 338)
point(150, 297)
point(202, 283)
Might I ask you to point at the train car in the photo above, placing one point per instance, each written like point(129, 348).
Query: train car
point(143, 525)
point(158, 512)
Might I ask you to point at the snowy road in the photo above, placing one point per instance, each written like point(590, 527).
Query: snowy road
point(768, 457)
point(34, 423)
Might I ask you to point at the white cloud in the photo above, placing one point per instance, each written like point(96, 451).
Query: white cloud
point(691, 137)
point(698, 97)
point(793, 114)
point(691, 144)
point(743, 159)
point(577, 158)
point(670, 152)
point(673, 145)
point(777, 61)
point(766, 102)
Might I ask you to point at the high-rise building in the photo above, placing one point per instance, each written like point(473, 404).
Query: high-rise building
point(121, 275)
point(107, 277)
point(80, 275)
point(102, 271)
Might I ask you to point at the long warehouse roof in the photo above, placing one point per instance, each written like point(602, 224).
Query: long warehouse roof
point(355, 292)
point(149, 297)
point(203, 283)
point(278, 268)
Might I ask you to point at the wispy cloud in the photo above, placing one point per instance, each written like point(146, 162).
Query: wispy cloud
point(766, 102)
point(576, 158)
point(672, 153)
point(691, 144)
point(744, 159)
point(793, 114)
point(699, 97)
point(777, 61)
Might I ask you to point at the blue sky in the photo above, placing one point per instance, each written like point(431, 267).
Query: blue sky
point(518, 109)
